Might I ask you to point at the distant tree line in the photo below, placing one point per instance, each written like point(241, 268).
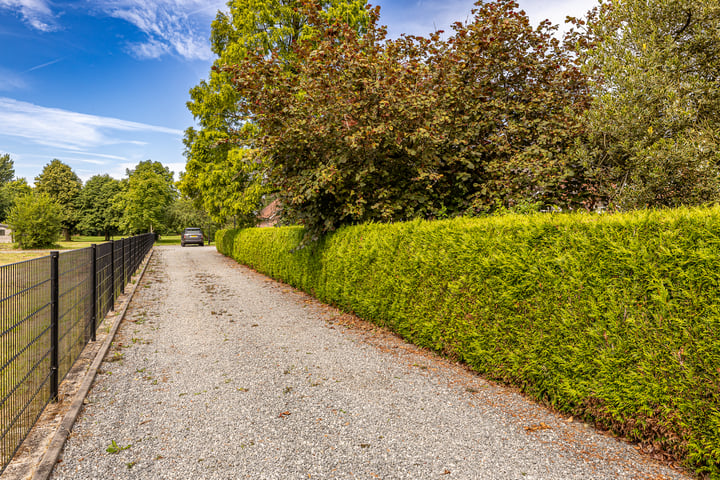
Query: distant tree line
point(146, 200)
point(310, 103)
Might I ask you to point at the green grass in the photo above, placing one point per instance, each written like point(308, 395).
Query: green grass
point(168, 240)
point(9, 253)
point(7, 258)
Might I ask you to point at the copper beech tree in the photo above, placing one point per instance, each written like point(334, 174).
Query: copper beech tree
point(363, 128)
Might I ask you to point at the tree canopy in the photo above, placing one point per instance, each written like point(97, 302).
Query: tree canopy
point(97, 211)
point(373, 129)
point(7, 169)
point(61, 184)
point(653, 130)
point(346, 126)
point(145, 200)
point(7, 173)
point(228, 179)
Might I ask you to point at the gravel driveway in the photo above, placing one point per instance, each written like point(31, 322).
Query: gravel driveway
point(220, 373)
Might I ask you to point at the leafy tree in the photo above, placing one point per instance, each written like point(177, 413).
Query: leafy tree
point(373, 129)
point(7, 169)
point(96, 209)
point(653, 132)
point(11, 191)
point(146, 198)
point(233, 186)
point(183, 214)
point(58, 181)
point(7, 173)
point(35, 220)
point(229, 182)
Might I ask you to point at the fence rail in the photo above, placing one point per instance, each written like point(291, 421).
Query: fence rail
point(50, 308)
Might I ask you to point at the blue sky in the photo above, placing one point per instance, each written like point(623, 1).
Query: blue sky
point(102, 84)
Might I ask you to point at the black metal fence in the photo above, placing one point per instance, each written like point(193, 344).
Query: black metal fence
point(50, 308)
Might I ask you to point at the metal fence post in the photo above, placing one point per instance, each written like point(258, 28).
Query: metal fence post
point(93, 281)
point(54, 324)
point(112, 275)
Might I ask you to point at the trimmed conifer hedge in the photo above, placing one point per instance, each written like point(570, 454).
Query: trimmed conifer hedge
point(612, 318)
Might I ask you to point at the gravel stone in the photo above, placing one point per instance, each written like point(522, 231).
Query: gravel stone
point(218, 372)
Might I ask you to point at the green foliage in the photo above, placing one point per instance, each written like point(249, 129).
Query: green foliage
point(184, 214)
point(96, 209)
point(146, 198)
point(614, 318)
point(9, 189)
point(7, 169)
point(653, 132)
point(369, 129)
point(58, 181)
point(35, 221)
point(226, 181)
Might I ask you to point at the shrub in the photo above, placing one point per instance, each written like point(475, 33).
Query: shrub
point(35, 220)
point(615, 318)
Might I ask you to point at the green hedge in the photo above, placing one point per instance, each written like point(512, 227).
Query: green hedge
point(613, 318)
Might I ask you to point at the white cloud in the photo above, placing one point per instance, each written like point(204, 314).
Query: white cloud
point(179, 26)
point(148, 50)
point(68, 130)
point(36, 13)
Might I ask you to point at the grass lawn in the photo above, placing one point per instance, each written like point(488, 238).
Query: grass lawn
point(168, 240)
point(9, 253)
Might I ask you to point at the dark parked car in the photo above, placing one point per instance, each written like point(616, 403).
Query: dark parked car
point(192, 235)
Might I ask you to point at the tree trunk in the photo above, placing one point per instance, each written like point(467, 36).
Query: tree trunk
point(66, 234)
point(107, 235)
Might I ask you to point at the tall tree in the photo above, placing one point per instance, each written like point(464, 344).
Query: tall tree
point(61, 184)
point(654, 128)
point(248, 26)
point(7, 173)
point(7, 169)
point(97, 212)
point(146, 198)
point(384, 130)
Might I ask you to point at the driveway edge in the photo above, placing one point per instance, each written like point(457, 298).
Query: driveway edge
point(50, 458)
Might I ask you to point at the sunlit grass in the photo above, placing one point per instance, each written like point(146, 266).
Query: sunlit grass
point(168, 240)
point(10, 253)
point(18, 256)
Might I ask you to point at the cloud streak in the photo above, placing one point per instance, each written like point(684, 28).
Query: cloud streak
point(46, 64)
point(69, 130)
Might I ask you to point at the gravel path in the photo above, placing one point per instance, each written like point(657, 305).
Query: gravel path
point(219, 373)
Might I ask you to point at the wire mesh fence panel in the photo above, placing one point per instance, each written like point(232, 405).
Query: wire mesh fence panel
point(118, 267)
point(24, 350)
point(49, 310)
point(75, 306)
point(104, 279)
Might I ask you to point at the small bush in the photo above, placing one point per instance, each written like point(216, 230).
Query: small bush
point(35, 221)
point(615, 319)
